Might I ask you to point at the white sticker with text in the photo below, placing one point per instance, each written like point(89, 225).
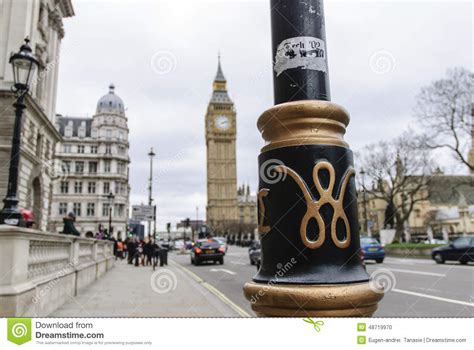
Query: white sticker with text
point(304, 52)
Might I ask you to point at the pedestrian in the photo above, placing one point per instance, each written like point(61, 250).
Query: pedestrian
point(69, 228)
point(148, 252)
point(131, 249)
point(120, 245)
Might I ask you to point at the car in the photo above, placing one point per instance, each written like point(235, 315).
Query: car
point(207, 250)
point(461, 249)
point(255, 254)
point(372, 249)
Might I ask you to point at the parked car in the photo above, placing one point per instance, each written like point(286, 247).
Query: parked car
point(461, 249)
point(207, 250)
point(255, 254)
point(372, 249)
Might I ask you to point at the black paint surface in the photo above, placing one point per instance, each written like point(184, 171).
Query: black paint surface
point(285, 207)
point(290, 19)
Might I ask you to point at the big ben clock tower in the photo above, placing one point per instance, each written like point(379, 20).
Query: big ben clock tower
point(221, 158)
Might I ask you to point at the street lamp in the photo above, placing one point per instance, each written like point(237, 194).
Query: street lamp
point(24, 65)
point(110, 197)
point(307, 196)
point(151, 154)
point(364, 199)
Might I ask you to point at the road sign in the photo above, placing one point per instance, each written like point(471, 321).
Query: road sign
point(142, 212)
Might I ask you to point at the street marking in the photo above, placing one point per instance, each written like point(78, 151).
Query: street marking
point(213, 290)
point(419, 272)
point(453, 301)
point(223, 270)
point(238, 263)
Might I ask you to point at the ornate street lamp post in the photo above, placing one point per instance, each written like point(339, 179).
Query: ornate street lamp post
point(307, 195)
point(24, 65)
point(151, 154)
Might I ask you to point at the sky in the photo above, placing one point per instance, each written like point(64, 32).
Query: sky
point(162, 58)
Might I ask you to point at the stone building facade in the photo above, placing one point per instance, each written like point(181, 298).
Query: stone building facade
point(42, 22)
point(94, 160)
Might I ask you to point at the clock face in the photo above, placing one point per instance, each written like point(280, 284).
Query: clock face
point(222, 122)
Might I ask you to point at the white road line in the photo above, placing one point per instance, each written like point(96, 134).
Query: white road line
point(418, 272)
point(223, 270)
point(421, 295)
point(238, 263)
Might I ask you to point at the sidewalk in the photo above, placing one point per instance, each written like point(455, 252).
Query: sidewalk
point(129, 291)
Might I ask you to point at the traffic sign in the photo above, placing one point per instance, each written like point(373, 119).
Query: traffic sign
point(142, 212)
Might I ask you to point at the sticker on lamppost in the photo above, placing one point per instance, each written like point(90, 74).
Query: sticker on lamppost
point(19, 330)
point(304, 52)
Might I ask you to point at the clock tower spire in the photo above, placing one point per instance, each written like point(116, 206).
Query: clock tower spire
point(220, 129)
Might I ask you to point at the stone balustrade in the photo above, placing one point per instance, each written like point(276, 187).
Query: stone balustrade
point(40, 271)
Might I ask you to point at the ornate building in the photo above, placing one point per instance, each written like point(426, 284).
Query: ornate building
point(42, 22)
point(94, 158)
point(221, 132)
point(247, 207)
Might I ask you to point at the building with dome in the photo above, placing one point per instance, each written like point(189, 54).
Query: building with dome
point(93, 181)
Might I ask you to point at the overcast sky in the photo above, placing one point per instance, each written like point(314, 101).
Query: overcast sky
point(162, 58)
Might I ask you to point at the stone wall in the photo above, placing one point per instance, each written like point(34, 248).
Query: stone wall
point(40, 271)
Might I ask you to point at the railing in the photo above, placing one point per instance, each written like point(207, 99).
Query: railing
point(39, 271)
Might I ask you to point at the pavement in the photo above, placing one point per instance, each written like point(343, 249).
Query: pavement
point(129, 291)
point(416, 288)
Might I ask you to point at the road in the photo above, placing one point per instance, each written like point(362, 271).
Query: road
point(419, 287)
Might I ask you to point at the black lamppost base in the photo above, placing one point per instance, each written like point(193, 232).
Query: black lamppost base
point(10, 214)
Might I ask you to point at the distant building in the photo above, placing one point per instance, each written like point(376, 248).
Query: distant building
point(247, 210)
point(95, 163)
point(42, 22)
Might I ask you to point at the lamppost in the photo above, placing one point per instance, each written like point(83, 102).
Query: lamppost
point(151, 154)
point(364, 199)
point(307, 196)
point(110, 197)
point(24, 65)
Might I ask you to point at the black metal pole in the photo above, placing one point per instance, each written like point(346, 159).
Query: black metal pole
point(10, 210)
point(299, 51)
point(110, 219)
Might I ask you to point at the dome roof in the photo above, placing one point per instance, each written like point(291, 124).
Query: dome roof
point(110, 103)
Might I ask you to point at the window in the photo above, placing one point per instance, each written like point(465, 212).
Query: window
point(77, 187)
point(64, 187)
point(108, 149)
point(106, 187)
point(107, 166)
point(77, 209)
point(66, 167)
point(121, 150)
point(117, 187)
point(105, 209)
point(108, 134)
point(91, 187)
point(79, 167)
point(92, 167)
point(118, 210)
point(67, 148)
point(94, 149)
point(62, 208)
point(90, 209)
point(80, 149)
point(121, 135)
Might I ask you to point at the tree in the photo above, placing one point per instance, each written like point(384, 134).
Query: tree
point(443, 108)
point(401, 170)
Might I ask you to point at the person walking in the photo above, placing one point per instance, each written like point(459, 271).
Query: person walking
point(131, 249)
point(120, 245)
